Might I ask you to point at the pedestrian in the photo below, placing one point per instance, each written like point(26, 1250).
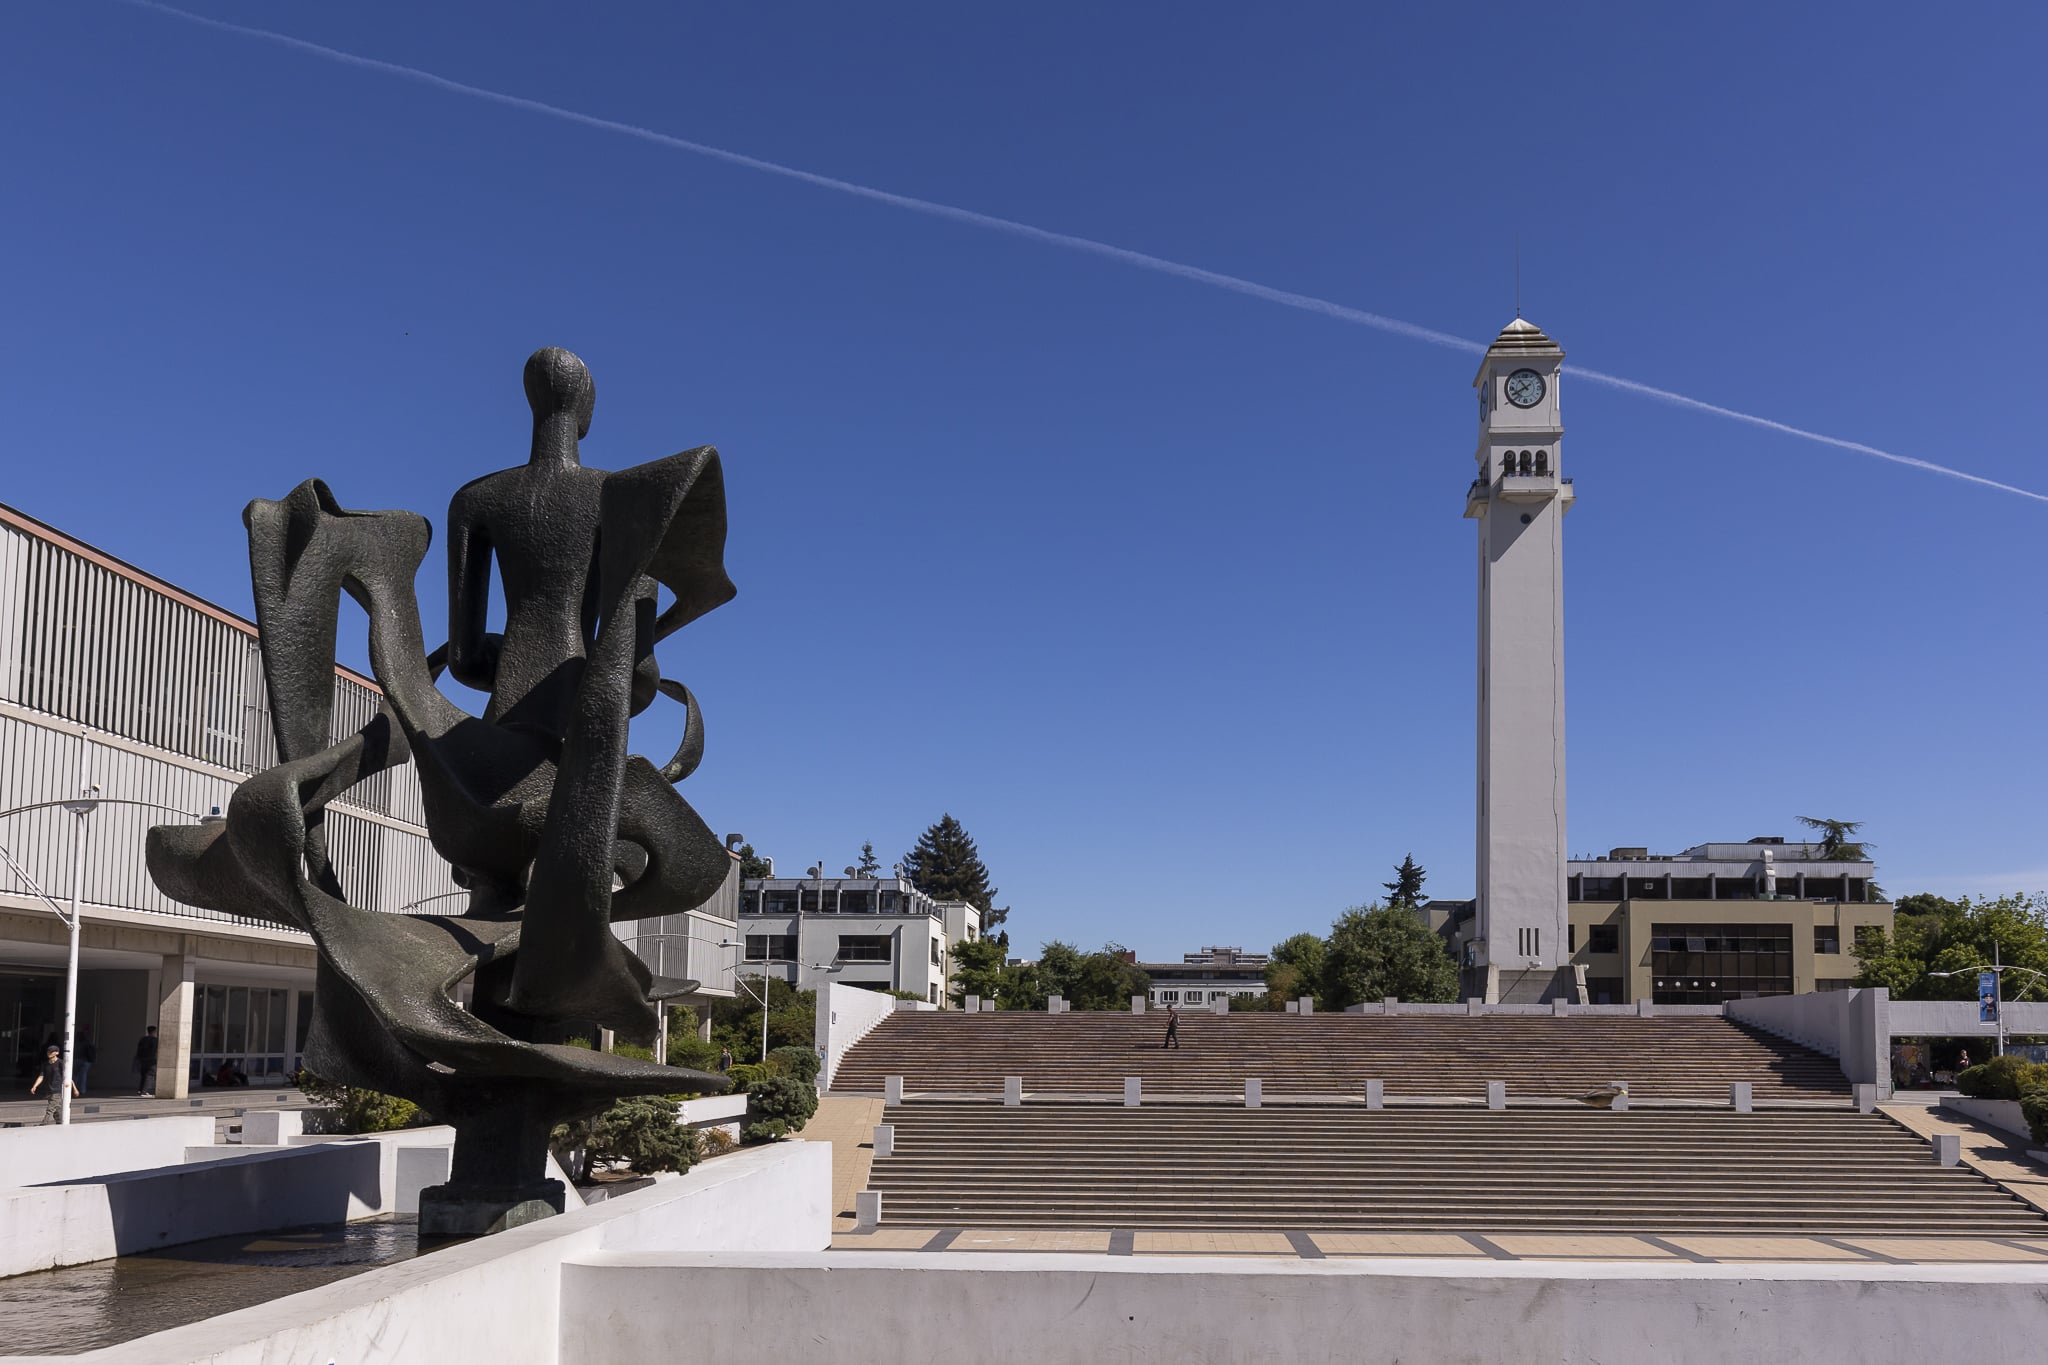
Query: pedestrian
point(52, 1075)
point(1963, 1060)
point(145, 1063)
point(1172, 1028)
point(82, 1057)
point(724, 1060)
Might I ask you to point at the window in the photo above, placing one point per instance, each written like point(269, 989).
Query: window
point(1599, 888)
point(863, 947)
point(1169, 997)
point(1571, 938)
point(935, 952)
point(1834, 983)
point(771, 947)
point(932, 992)
point(1529, 942)
point(1706, 964)
point(1603, 938)
point(1192, 997)
point(779, 902)
point(1605, 990)
point(1827, 938)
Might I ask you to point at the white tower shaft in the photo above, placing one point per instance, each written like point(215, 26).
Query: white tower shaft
point(1519, 499)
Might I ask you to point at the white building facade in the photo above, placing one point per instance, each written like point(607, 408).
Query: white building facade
point(1207, 976)
point(1519, 499)
point(880, 933)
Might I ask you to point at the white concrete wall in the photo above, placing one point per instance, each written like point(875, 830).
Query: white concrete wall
point(2004, 1115)
point(1850, 1026)
point(498, 1298)
point(994, 1309)
point(1958, 1019)
point(846, 1014)
point(43, 1155)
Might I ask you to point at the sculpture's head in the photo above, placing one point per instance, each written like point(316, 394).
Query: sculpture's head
point(556, 381)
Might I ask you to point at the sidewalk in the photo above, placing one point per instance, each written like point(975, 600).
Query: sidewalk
point(103, 1106)
point(848, 1123)
point(1996, 1154)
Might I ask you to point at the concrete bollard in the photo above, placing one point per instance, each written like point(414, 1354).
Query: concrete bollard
point(1390, 1004)
point(1013, 1090)
point(1739, 1096)
point(1307, 1003)
point(1137, 1004)
point(1375, 1094)
point(272, 1127)
point(1866, 1098)
point(1620, 1105)
point(1496, 1094)
point(1472, 1004)
point(1948, 1149)
point(892, 1090)
point(885, 1139)
point(1646, 1009)
point(867, 1210)
point(1254, 1092)
point(1560, 1008)
point(1133, 1091)
point(1220, 1005)
point(973, 1005)
point(988, 1007)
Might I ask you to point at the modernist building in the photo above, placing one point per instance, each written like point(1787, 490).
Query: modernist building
point(113, 678)
point(1519, 499)
point(878, 932)
point(1715, 922)
point(1203, 977)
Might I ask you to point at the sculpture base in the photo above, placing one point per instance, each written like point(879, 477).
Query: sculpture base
point(476, 1211)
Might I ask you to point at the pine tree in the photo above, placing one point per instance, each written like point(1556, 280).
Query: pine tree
point(946, 866)
point(752, 865)
point(1406, 888)
point(868, 867)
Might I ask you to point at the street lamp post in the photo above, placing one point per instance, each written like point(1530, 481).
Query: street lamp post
point(78, 807)
point(1997, 969)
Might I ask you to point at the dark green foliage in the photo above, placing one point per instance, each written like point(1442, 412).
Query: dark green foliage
point(1930, 934)
point(903, 995)
point(1377, 951)
point(2002, 1078)
point(686, 1049)
point(868, 866)
point(798, 1063)
point(352, 1109)
point(1406, 888)
point(792, 1018)
point(1101, 980)
point(946, 866)
point(641, 1132)
point(747, 1075)
point(752, 866)
point(2034, 1109)
point(1294, 969)
point(977, 970)
point(777, 1107)
point(1837, 839)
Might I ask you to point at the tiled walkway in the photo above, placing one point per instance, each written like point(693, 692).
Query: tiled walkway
point(848, 1123)
point(1463, 1246)
point(2001, 1156)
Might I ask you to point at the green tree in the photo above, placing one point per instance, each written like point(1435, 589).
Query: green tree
point(1406, 888)
point(977, 970)
point(792, 1018)
point(947, 866)
point(753, 867)
point(1102, 980)
point(1932, 934)
point(1838, 842)
point(867, 866)
point(1376, 951)
point(1294, 968)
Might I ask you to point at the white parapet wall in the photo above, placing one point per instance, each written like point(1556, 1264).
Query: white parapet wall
point(44, 1155)
point(846, 1014)
point(1852, 1026)
point(883, 1308)
point(498, 1298)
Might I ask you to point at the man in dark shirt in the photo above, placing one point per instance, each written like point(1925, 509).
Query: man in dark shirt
point(52, 1078)
point(145, 1063)
point(1172, 1028)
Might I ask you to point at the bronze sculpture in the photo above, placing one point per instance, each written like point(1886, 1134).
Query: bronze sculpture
point(549, 823)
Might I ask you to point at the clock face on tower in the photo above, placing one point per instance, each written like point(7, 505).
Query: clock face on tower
point(1525, 388)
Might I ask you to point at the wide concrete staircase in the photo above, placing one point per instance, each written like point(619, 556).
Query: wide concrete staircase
point(1669, 1059)
point(1349, 1168)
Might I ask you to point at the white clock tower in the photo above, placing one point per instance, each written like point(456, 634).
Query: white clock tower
point(1519, 498)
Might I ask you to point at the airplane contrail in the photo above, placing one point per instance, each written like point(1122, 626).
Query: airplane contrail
point(932, 208)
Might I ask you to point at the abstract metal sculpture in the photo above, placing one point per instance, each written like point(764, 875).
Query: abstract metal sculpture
point(552, 827)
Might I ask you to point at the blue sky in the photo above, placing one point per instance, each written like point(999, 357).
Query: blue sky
point(1162, 589)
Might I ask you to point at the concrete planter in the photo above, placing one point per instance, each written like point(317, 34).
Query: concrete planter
point(710, 1111)
point(2003, 1115)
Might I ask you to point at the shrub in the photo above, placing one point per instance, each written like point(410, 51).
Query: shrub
point(353, 1109)
point(798, 1063)
point(2034, 1108)
point(747, 1075)
point(2002, 1078)
point(717, 1142)
point(641, 1132)
point(777, 1107)
point(633, 1051)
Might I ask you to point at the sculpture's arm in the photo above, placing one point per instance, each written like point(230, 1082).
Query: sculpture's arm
point(472, 651)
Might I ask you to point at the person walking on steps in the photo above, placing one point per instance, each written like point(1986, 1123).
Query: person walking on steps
point(1172, 1028)
point(52, 1075)
point(145, 1063)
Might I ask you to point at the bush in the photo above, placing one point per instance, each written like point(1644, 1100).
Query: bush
point(641, 1132)
point(2034, 1108)
point(747, 1075)
point(777, 1107)
point(717, 1142)
point(798, 1063)
point(2002, 1078)
point(353, 1109)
